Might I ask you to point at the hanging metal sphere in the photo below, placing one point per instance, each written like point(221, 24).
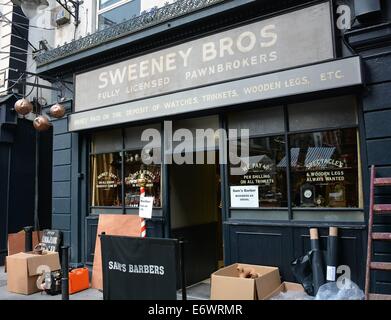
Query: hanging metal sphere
point(41, 123)
point(57, 111)
point(23, 106)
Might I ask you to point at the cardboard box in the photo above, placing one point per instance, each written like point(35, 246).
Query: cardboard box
point(285, 287)
point(226, 284)
point(23, 270)
point(16, 242)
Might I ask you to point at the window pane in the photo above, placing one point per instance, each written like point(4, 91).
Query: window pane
point(134, 170)
point(324, 168)
point(267, 170)
point(118, 14)
point(147, 5)
point(106, 3)
point(325, 113)
point(106, 141)
point(201, 135)
point(133, 137)
point(260, 121)
point(106, 179)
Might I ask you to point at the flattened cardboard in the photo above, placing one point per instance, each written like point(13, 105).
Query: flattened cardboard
point(23, 270)
point(116, 225)
point(226, 284)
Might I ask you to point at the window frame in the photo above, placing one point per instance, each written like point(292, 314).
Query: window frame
point(287, 133)
point(108, 8)
point(123, 208)
point(259, 136)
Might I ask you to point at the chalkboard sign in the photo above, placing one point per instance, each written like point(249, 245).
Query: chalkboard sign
point(52, 239)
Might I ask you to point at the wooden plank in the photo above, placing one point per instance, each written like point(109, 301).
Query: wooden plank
point(381, 236)
point(386, 266)
point(116, 225)
point(376, 296)
point(382, 208)
point(382, 182)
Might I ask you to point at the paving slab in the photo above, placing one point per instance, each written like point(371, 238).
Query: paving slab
point(90, 294)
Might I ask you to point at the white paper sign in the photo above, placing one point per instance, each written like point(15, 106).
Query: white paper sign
point(145, 208)
point(244, 197)
point(331, 271)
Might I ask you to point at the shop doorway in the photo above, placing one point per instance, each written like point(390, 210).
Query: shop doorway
point(196, 217)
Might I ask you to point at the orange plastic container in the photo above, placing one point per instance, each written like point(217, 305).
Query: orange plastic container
point(78, 280)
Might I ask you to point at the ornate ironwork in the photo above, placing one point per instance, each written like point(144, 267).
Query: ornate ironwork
point(72, 7)
point(135, 24)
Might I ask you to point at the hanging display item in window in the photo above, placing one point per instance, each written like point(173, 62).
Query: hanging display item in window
point(327, 160)
point(151, 174)
point(337, 195)
point(307, 195)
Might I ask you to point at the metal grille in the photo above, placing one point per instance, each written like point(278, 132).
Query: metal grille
point(143, 21)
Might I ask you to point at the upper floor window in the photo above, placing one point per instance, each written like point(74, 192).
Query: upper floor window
point(112, 12)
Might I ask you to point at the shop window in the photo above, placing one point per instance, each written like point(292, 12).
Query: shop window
point(324, 169)
point(134, 170)
point(118, 159)
point(326, 113)
point(266, 170)
point(260, 121)
point(106, 141)
point(316, 144)
point(106, 181)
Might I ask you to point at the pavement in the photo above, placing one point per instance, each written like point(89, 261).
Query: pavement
point(199, 291)
point(90, 294)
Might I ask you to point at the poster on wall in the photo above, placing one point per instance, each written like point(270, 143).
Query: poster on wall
point(139, 268)
point(244, 197)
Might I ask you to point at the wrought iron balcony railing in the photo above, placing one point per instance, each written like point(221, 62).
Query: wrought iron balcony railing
point(137, 23)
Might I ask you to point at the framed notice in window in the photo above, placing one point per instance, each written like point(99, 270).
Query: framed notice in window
point(244, 197)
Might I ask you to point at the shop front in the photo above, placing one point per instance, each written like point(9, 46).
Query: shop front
point(279, 110)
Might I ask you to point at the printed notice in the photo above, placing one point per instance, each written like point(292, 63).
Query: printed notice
point(244, 197)
point(145, 209)
point(330, 273)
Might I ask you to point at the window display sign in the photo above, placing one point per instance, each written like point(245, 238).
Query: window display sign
point(293, 39)
point(325, 174)
point(107, 181)
point(244, 197)
point(145, 209)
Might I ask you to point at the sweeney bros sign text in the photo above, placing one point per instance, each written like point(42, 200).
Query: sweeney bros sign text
point(297, 38)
